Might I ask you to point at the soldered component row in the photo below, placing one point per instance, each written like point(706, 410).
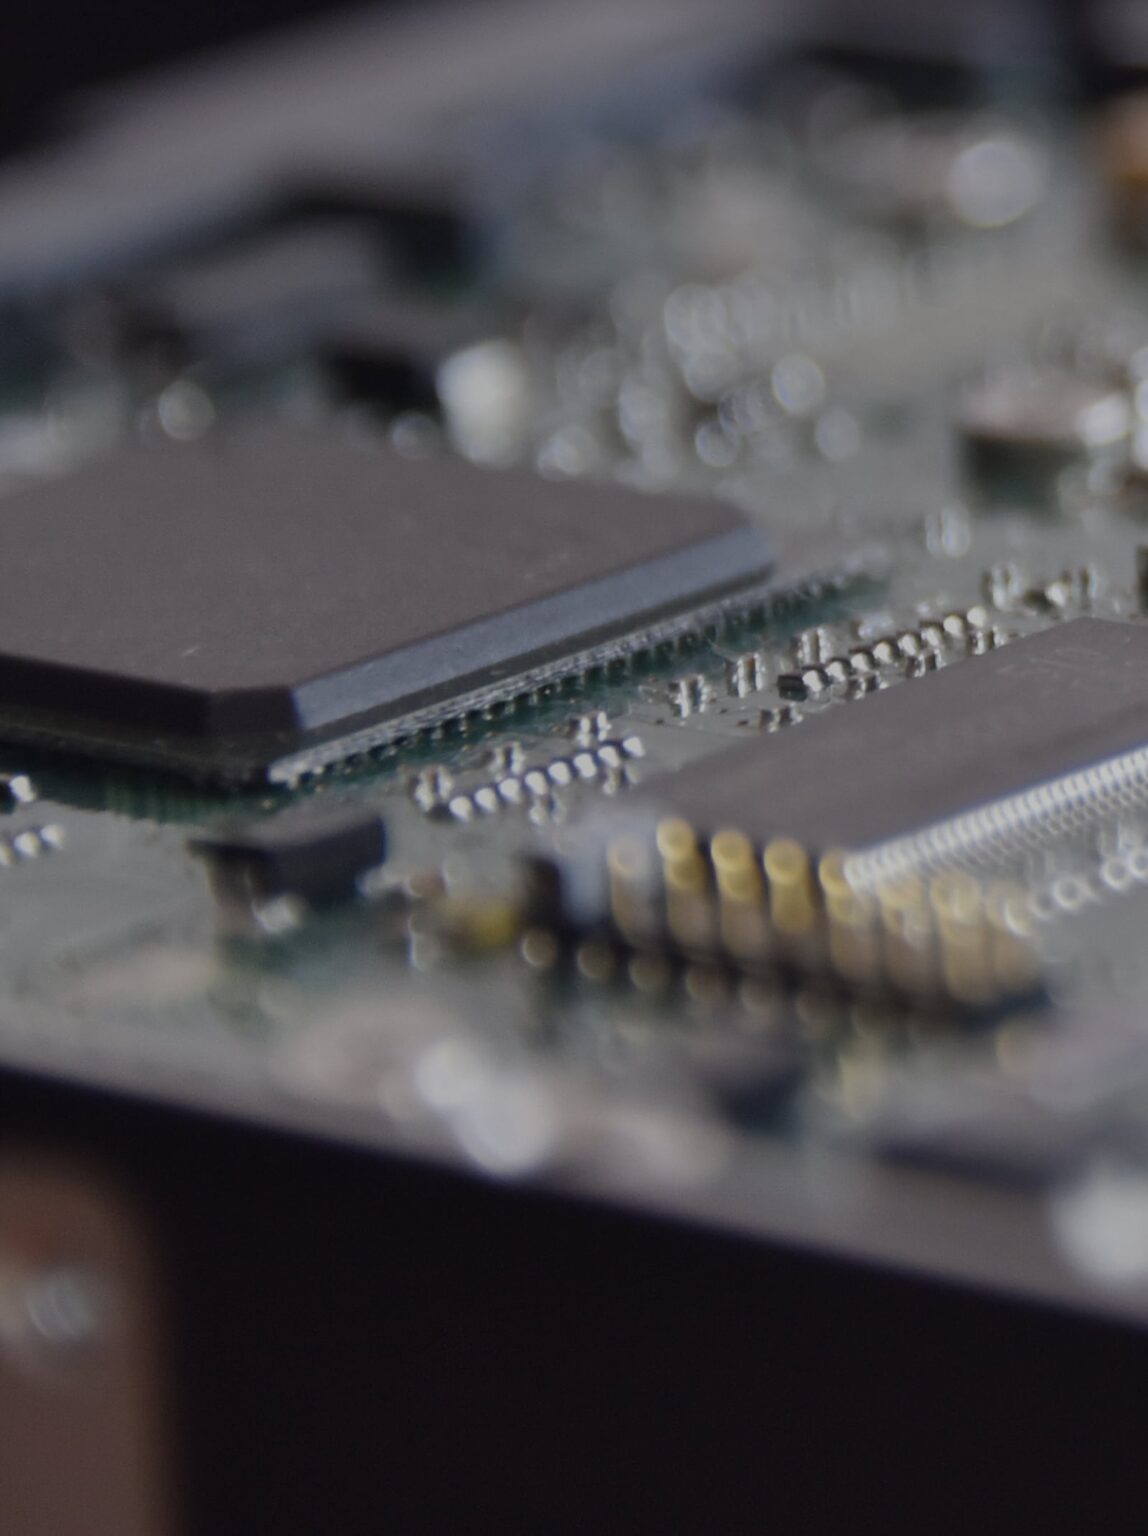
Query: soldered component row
point(778, 909)
point(29, 844)
point(912, 651)
point(519, 786)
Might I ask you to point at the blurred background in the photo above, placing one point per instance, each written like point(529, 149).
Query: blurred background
point(719, 244)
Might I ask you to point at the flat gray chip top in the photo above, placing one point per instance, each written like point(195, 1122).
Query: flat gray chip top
point(927, 750)
point(274, 585)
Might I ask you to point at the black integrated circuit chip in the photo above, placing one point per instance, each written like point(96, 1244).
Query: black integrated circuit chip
point(274, 597)
point(904, 759)
point(319, 857)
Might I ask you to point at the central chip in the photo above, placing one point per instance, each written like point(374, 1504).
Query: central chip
point(275, 597)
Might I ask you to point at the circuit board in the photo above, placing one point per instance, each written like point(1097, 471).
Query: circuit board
point(627, 674)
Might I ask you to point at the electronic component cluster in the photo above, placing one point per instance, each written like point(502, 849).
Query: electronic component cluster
point(665, 645)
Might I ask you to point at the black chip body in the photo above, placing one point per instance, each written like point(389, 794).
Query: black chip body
point(390, 359)
point(274, 597)
point(316, 856)
point(923, 752)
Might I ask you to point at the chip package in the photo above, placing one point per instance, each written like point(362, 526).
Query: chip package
point(226, 605)
point(1045, 707)
point(850, 847)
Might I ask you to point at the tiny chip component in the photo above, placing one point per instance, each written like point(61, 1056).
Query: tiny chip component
point(264, 601)
point(1030, 425)
point(16, 791)
point(391, 358)
point(316, 858)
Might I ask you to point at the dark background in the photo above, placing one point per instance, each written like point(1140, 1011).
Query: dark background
point(53, 47)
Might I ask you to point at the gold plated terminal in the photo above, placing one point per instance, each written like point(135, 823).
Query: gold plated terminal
point(790, 879)
point(690, 910)
point(907, 927)
point(962, 935)
point(633, 902)
point(777, 915)
point(854, 941)
point(1014, 959)
point(742, 918)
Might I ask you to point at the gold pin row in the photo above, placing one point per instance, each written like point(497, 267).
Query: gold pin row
point(951, 936)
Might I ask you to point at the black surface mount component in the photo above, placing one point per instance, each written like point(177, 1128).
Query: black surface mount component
point(264, 601)
point(1040, 709)
point(390, 359)
point(318, 857)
